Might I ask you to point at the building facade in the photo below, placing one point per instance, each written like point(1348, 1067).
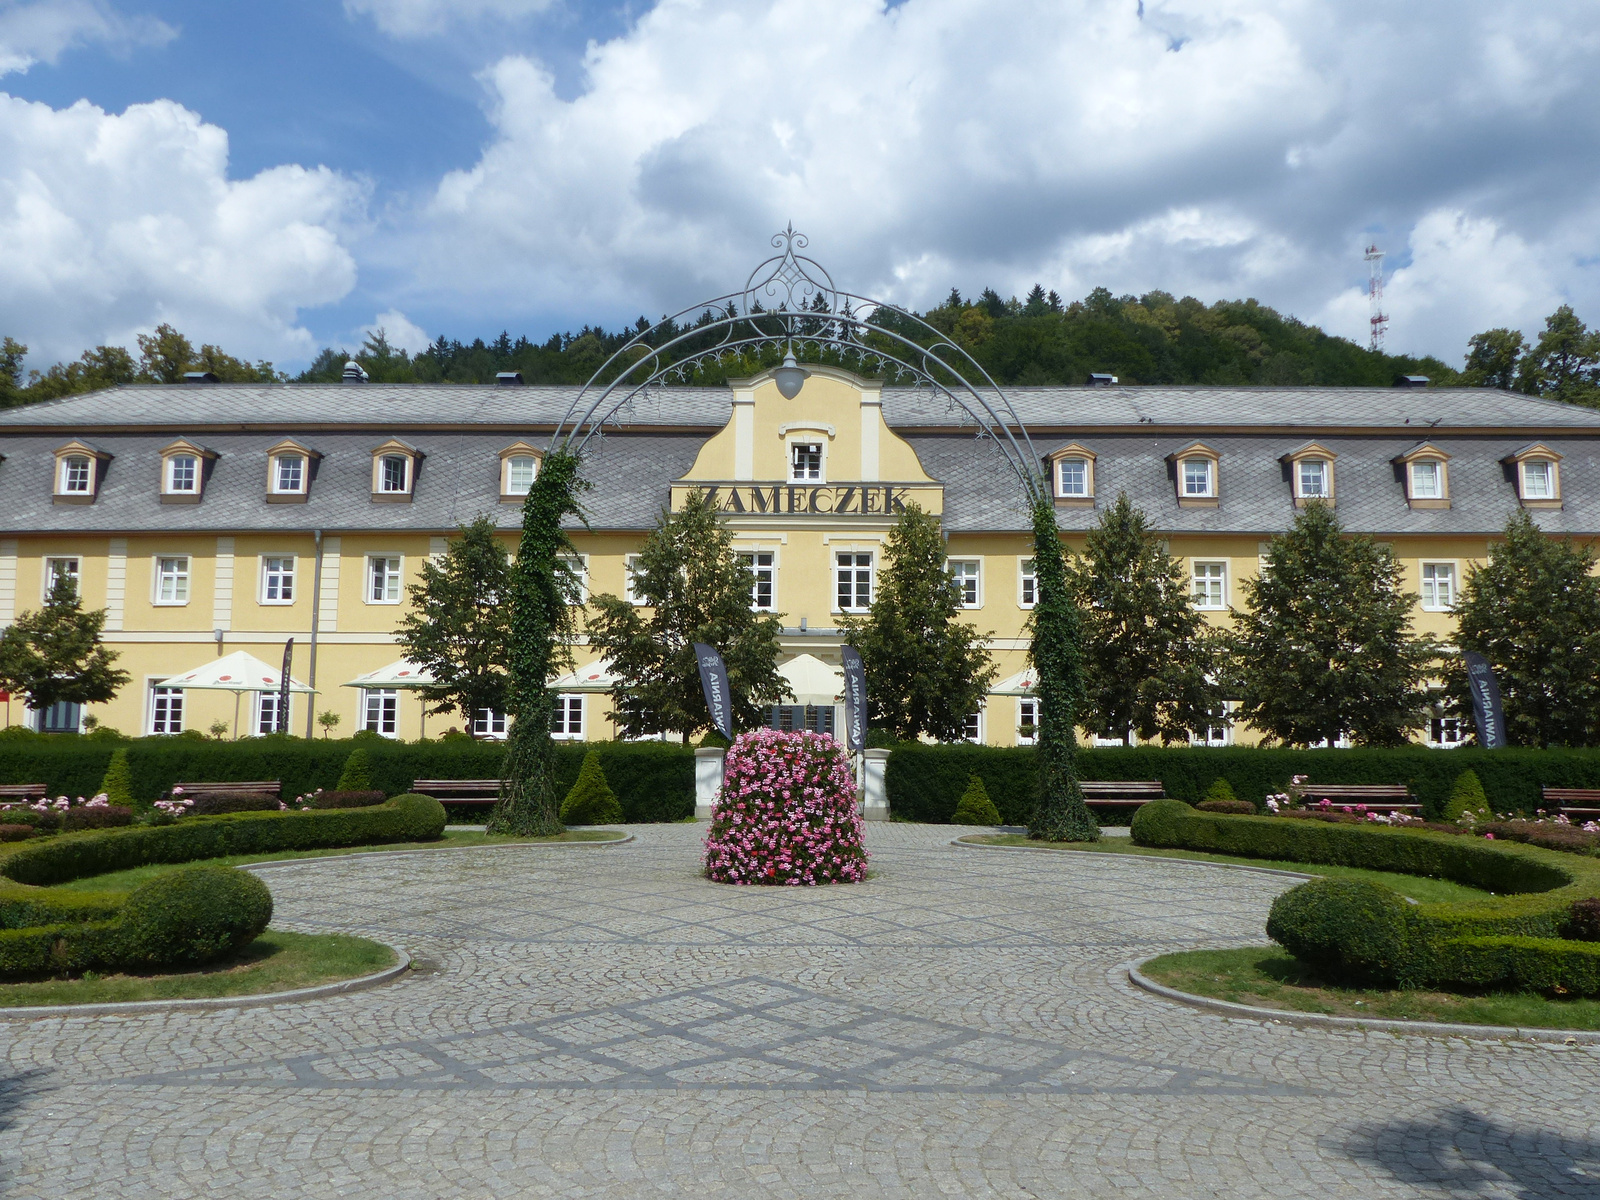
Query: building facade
point(211, 518)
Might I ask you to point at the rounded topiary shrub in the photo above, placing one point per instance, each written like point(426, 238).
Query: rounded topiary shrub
point(16, 833)
point(337, 799)
point(357, 773)
point(1467, 796)
point(1220, 789)
point(1239, 808)
point(107, 816)
point(786, 813)
point(1583, 921)
point(215, 804)
point(194, 915)
point(975, 807)
point(591, 800)
point(1348, 929)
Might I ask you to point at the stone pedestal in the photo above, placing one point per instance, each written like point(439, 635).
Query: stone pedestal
point(875, 799)
point(707, 780)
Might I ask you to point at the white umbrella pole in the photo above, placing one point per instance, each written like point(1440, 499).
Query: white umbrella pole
point(236, 696)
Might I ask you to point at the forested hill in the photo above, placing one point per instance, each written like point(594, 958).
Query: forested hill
point(1152, 338)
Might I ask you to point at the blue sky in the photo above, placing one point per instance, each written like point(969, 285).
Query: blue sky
point(275, 177)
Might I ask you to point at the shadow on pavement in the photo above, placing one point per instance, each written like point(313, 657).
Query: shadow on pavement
point(1466, 1154)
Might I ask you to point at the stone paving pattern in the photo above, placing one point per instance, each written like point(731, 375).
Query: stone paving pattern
point(603, 1022)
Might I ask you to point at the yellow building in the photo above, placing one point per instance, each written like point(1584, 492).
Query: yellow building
point(211, 518)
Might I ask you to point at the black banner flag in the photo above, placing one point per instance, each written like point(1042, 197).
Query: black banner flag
point(719, 696)
point(282, 724)
point(1486, 708)
point(855, 699)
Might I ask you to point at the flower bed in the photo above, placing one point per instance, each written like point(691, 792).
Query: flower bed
point(786, 813)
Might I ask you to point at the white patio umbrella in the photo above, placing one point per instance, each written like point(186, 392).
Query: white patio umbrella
point(401, 674)
point(596, 677)
point(238, 673)
point(1022, 683)
point(813, 681)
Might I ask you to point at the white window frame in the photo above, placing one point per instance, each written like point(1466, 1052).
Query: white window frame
point(1325, 478)
point(872, 579)
point(1414, 469)
point(1195, 578)
point(756, 566)
point(179, 577)
point(1025, 705)
point(1082, 463)
point(379, 707)
point(258, 711)
point(50, 571)
point(1210, 466)
point(580, 564)
point(511, 485)
point(964, 577)
point(820, 445)
point(486, 723)
point(265, 573)
point(1425, 586)
point(157, 697)
point(978, 721)
point(630, 566)
point(384, 481)
point(1027, 583)
point(1436, 729)
point(561, 728)
point(1548, 466)
point(393, 580)
point(173, 489)
point(68, 476)
point(276, 474)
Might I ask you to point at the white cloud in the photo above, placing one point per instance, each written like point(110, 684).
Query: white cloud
point(111, 224)
point(1228, 147)
point(43, 30)
point(422, 18)
point(401, 333)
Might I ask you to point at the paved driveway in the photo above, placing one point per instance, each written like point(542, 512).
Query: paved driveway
point(605, 1023)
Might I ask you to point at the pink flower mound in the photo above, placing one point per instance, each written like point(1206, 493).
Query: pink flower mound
point(787, 813)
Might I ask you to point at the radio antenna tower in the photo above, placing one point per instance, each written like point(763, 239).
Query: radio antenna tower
point(1379, 319)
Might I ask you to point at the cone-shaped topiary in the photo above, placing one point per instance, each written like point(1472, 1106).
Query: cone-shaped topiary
point(1467, 796)
point(117, 786)
point(1220, 789)
point(591, 800)
point(357, 773)
point(975, 807)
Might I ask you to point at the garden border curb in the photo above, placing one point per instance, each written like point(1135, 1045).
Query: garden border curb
point(135, 1007)
point(316, 858)
point(1194, 862)
point(1567, 1037)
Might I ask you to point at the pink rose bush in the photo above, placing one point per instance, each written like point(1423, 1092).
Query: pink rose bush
point(786, 813)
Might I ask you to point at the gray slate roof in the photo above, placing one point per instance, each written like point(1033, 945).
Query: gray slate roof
point(461, 430)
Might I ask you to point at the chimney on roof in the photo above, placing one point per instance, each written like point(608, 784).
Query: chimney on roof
point(1101, 379)
point(354, 373)
point(1412, 381)
point(199, 377)
point(508, 378)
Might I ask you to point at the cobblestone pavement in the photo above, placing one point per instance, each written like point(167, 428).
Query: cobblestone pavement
point(603, 1022)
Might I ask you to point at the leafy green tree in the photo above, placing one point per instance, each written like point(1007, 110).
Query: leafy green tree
point(1533, 610)
point(1325, 648)
point(459, 623)
point(12, 354)
point(54, 654)
point(695, 589)
point(1149, 659)
point(1492, 358)
point(927, 669)
point(1564, 363)
point(164, 355)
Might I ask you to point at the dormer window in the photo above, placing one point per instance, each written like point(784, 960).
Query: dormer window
point(1537, 471)
point(1427, 477)
point(394, 471)
point(1195, 469)
point(519, 467)
point(1072, 469)
point(79, 467)
point(183, 472)
point(1310, 473)
point(290, 467)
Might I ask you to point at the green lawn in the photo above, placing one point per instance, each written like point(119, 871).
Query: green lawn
point(123, 881)
point(1418, 887)
point(274, 962)
point(1272, 978)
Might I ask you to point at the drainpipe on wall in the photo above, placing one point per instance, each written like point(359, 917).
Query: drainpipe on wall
point(316, 617)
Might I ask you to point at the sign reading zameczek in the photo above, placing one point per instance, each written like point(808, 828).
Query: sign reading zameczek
point(714, 680)
point(814, 500)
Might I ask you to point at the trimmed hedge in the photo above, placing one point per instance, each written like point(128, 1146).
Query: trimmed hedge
point(1349, 931)
point(653, 781)
point(926, 782)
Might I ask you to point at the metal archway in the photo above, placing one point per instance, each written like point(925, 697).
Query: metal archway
point(790, 300)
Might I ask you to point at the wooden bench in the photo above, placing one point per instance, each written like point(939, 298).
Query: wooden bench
point(271, 786)
point(1573, 802)
point(1378, 797)
point(21, 791)
point(1121, 793)
point(481, 793)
